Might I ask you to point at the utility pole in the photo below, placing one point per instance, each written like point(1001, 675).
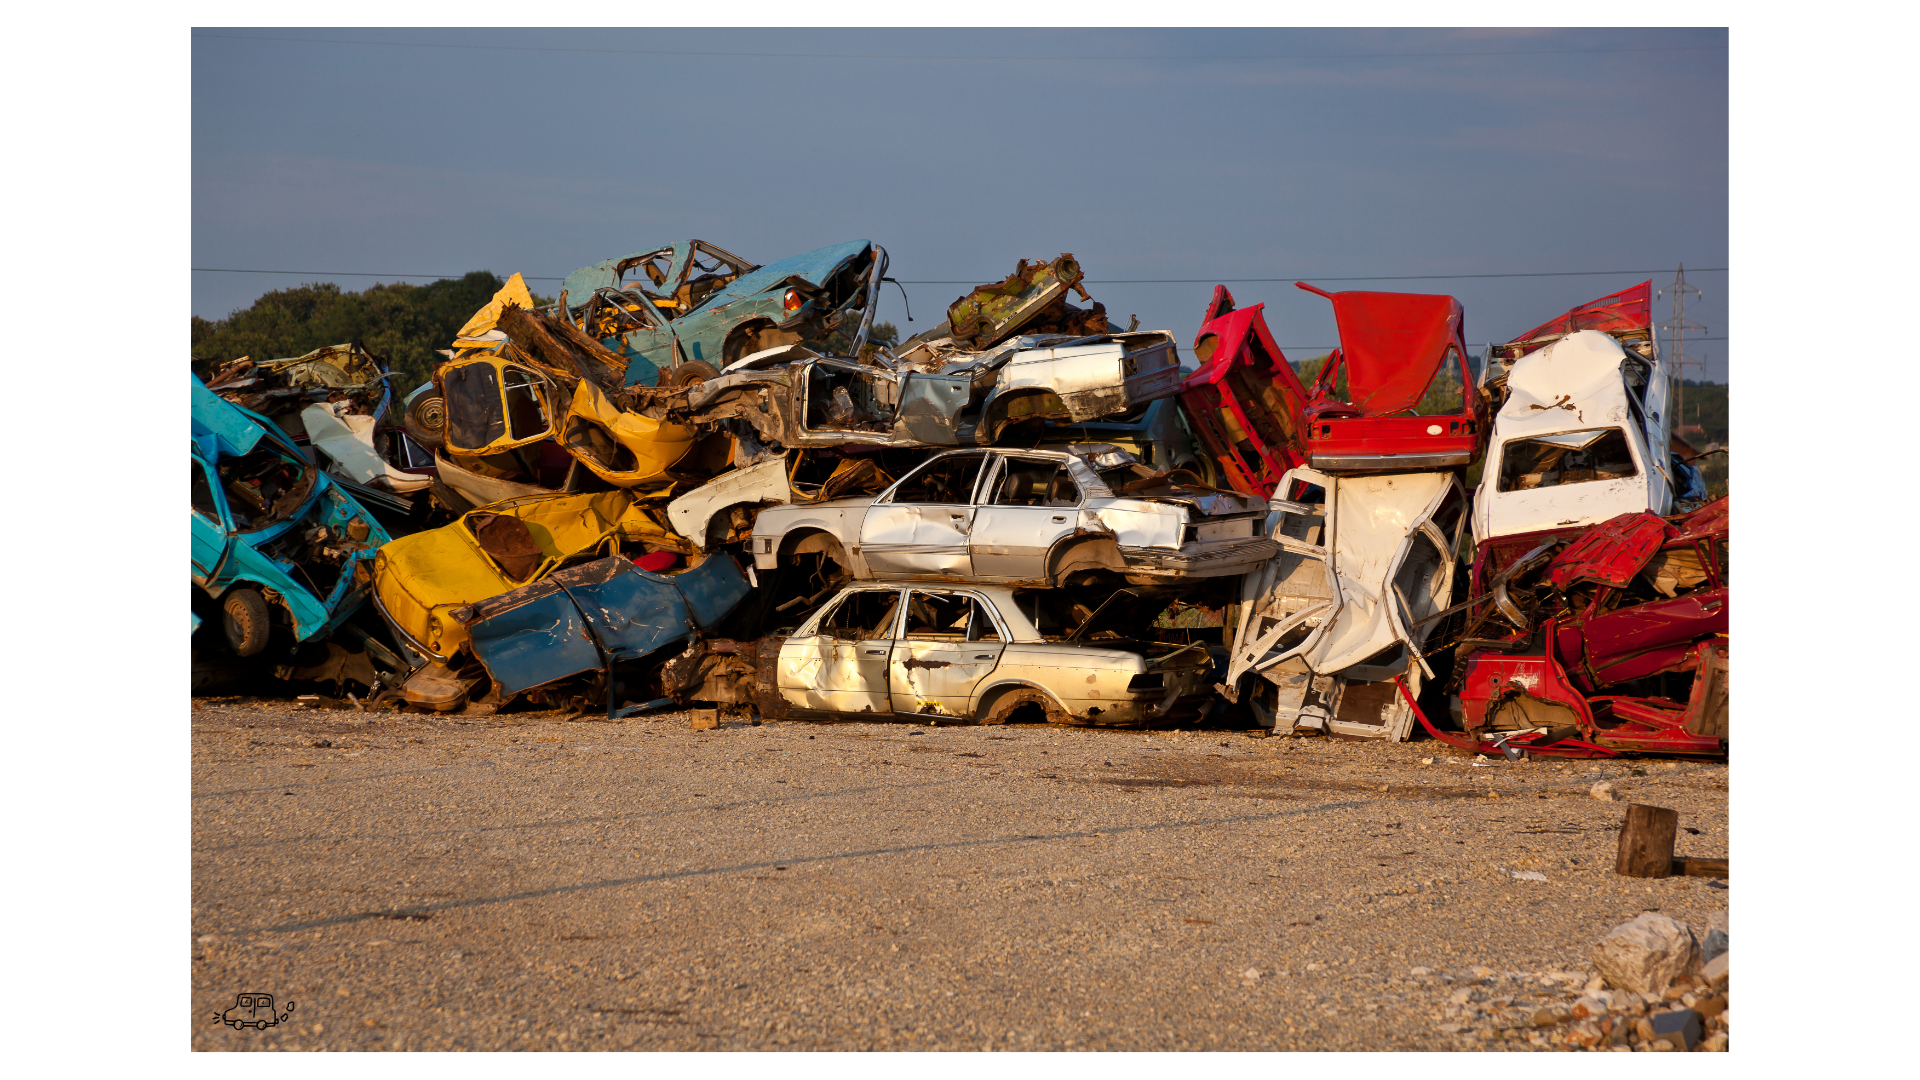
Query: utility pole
point(1676, 329)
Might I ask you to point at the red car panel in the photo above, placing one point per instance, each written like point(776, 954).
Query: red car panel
point(1244, 404)
point(1628, 309)
point(1609, 553)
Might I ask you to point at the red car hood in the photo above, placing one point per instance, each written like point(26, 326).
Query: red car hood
point(1393, 344)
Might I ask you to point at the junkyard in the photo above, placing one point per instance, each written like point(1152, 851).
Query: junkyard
point(685, 666)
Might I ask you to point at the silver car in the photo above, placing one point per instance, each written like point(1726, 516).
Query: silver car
point(1033, 517)
point(987, 654)
point(794, 396)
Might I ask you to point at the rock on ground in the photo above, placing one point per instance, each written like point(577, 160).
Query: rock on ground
point(1646, 954)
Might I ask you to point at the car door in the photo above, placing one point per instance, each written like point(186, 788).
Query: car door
point(948, 642)
point(919, 527)
point(842, 665)
point(1026, 505)
point(210, 537)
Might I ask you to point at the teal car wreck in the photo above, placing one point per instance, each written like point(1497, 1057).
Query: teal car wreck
point(277, 545)
point(682, 312)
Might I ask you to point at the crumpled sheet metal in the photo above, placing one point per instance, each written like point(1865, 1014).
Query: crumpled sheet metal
point(587, 617)
point(596, 432)
point(278, 389)
point(513, 294)
point(995, 311)
point(765, 482)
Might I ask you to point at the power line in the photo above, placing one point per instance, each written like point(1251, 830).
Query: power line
point(1089, 281)
point(923, 56)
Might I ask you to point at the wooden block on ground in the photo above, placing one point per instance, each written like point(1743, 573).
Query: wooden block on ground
point(1646, 842)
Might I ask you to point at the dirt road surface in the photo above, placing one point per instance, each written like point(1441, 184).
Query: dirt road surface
point(530, 882)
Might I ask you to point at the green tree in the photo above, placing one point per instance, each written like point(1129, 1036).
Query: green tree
point(405, 323)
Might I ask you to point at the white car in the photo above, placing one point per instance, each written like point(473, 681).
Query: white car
point(987, 654)
point(1036, 517)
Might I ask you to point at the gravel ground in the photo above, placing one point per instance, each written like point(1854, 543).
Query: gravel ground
point(531, 882)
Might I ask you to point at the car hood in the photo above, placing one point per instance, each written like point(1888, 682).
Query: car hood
point(1394, 343)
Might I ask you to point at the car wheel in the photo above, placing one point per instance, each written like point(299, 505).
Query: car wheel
point(690, 373)
point(244, 614)
point(426, 421)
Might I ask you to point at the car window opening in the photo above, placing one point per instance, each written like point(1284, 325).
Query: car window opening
point(264, 487)
point(474, 417)
point(1557, 460)
point(861, 616)
point(946, 481)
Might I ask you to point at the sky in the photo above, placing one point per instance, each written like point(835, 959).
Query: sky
point(1177, 157)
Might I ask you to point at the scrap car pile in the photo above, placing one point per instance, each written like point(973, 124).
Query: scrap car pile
point(698, 480)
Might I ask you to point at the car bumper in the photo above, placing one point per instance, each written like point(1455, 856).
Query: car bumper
point(1216, 558)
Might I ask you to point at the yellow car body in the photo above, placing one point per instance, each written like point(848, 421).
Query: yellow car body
point(419, 579)
point(623, 448)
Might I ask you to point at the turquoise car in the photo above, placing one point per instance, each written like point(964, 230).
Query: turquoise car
point(276, 543)
point(681, 313)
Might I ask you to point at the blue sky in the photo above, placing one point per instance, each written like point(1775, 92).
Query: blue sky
point(1577, 150)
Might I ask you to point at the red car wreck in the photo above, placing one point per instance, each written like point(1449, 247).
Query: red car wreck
point(1245, 405)
point(1613, 641)
point(1408, 402)
point(1399, 353)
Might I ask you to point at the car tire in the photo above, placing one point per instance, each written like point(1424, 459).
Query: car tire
point(690, 373)
point(245, 617)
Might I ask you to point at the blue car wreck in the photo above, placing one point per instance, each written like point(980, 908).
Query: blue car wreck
point(682, 312)
point(277, 545)
point(607, 619)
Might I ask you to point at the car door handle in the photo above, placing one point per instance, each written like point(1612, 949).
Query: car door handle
point(1059, 517)
point(983, 656)
point(876, 652)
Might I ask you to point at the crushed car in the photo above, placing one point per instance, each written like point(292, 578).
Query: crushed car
point(1582, 431)
point(336, 399)
point(276, 544)
point(793, 396)
point(419, 580)
point(1395, 396)
point(1245, 403)
point(1025, 516)
point(984, 654)
point(601, 626)
point(1347, 604)
point(680, 313)
point(1611, 639)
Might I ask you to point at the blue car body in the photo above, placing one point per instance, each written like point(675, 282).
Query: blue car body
point(749, 312)
point(228, 553)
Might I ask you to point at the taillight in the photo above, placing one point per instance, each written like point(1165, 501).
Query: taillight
point(792, 300)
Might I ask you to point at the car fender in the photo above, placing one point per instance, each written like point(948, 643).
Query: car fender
point(991, 695)
point(249, 567)
point(840, 518)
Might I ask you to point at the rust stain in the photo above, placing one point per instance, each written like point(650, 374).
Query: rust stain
point(916, 662)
